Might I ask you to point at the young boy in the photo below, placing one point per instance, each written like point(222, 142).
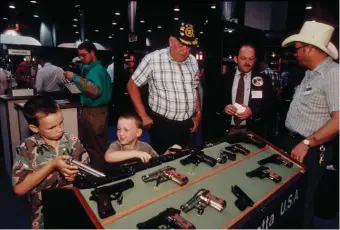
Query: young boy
point(40, 159)
point(129, 129)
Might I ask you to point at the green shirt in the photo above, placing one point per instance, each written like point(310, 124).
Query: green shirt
point(97, 75)
point(32, 154)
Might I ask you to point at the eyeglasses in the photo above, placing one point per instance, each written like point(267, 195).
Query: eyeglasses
point(296, 49)
point(83, 55)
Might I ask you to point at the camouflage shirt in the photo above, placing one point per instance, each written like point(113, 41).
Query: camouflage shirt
point(32, 154)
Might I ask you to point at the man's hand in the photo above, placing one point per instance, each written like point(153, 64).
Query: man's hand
point(147, 122)
point(68, 171)
point(68, 75)
point(174, 147)
point(230, 110)
point(299, 152)
point(144, 156)
point(196, 119)
point(246, 114)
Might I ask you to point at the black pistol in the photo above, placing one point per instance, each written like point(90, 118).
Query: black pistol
point(104, 195)
point(263, 172)
point(224, 156)
point(276, 159)
point(243, 200)
point(170, 218)
point(197, 157)
point(237, 148)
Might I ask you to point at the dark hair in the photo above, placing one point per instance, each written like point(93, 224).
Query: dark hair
point(88, 46)
point(243, 45)
point(134, 116)
point(39, 104)
point(42, 56)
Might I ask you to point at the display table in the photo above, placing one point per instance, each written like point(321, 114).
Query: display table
point(276, 205)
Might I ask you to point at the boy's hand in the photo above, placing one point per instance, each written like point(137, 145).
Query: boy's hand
point(144, 156)
point(69, 171)
point(175, 147)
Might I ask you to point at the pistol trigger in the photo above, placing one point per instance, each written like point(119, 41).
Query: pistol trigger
point(120, 199)
point(200, 211)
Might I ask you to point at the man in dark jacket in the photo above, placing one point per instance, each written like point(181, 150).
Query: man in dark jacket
point(248, 88)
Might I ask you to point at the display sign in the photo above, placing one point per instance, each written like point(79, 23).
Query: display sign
point(19, 52)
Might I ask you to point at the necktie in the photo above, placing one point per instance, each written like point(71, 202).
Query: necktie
point(239, 96)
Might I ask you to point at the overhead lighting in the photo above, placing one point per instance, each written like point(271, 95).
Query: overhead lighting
point(142, 21)
point(4, 18)
point(96, 31)
point(12, 6)
point(230, 31)
point(175, 18)
point(159, 27)
point(230, 57)
point(206, 21)
point(75, 19)
point(36, 15)
point(176, 8)
point(74, 25)
point(110, 37)
point(201, 32)
point(113, 34)
point(114, 23)
point(121, 28)
point(117, 13)
point(76, 6)
point(33, 1)
point(149, 30)
point(77, 32)
point(213, 6)
point(309, 6)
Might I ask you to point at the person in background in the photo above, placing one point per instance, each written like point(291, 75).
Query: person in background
point(173, 78)
point(95, 85)
point(313, 115)
point(40, 160)
point(110, 69)
point(274, 76)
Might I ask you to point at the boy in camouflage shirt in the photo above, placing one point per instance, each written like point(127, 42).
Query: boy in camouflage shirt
point(128, 147)
point(40, 159)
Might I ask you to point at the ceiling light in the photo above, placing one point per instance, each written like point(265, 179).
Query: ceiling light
point(96, 31)
point(121, 28)
point(12, 6)
point(159, 27)
point(206, 21)
point(201, 32)
point(36, 15)
point(76, 6)
point(149, 30)
point(33, 1)
point(114, 23)
point(117, 13)
point(230, 31)
point(175, 18)
point(110, 37)
point(176, 8)
point(213, 6)
point(74, 25)
point(75, 19)
point(4, 18)
point(142, 21)
point(309, 6)
point(77, 32)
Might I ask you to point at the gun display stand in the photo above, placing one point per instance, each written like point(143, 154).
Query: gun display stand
point(276, 205)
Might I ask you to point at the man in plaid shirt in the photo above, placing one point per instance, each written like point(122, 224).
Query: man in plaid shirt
point(173, 78)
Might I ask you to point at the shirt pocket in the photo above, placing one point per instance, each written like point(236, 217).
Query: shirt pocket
point(311, 98)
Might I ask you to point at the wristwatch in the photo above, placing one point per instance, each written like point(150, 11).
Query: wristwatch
point(306, 142)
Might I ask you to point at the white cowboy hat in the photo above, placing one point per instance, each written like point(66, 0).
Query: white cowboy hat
point(316, 34)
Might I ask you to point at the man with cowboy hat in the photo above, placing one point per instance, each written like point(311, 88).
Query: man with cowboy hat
point(313, 116)
point(173, 78)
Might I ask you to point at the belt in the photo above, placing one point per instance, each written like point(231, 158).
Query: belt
point(98, 106)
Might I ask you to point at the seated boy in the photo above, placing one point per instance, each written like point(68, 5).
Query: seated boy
point(129, 129)
point(40, 159)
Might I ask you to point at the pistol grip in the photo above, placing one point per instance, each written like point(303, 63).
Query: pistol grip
point(105, 208)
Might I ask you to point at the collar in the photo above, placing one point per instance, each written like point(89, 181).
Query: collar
point(40, 141)
point(93, 64)
point(47, 64)
point(319, 69)
point(246, 74)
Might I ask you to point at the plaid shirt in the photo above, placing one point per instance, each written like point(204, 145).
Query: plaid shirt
point(274, 76)
point(172, 85)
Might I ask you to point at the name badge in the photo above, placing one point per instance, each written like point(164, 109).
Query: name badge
point(256, 94)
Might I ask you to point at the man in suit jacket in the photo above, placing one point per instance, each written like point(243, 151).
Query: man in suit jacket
point(254, 92)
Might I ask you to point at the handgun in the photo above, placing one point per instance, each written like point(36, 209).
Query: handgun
point(237, 148)
point(276, 159)
point(263, 172)
point(165, 174)
point(201, 200)
point(247, 138)
point(168, 219)
point(198, 157)
point(255, 141)
point(84, 169)
point(179, 153)
point(224, 156)
point(104, 195)
point(243, 200)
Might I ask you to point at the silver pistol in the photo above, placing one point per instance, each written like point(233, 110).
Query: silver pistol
point(84, 168)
